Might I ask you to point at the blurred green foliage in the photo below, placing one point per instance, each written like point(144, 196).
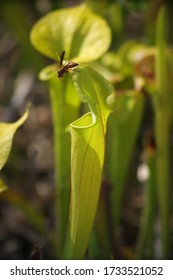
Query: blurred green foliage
point(133, 210)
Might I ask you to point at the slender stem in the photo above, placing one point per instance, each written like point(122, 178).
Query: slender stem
point(162, 130)
point(145, 244)
point(163, 174)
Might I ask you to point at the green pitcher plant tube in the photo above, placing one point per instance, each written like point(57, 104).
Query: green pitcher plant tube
point(87, 158)
point(84, 37)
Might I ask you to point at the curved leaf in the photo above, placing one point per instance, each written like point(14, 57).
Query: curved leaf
point(83, 35)
point(87, 157)
point(7, 131)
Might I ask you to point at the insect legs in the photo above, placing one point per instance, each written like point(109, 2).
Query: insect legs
point(64, 69)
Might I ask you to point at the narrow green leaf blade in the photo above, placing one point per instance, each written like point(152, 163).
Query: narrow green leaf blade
point(162, 105)
point(123, 127)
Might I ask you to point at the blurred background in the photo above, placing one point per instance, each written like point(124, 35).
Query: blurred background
point(27, 209)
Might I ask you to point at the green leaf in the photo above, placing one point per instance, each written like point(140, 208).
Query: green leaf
point(48, 72)
point(123, 126)
point(7, 131)
point(3, 187)
point(65, 109)
point(163, 107)
point(87, 157)
point(83, 35)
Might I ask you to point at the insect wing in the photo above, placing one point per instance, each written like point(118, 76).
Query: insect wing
point(62, 57)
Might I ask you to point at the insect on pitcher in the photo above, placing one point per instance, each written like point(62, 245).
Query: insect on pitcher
point(64, 69)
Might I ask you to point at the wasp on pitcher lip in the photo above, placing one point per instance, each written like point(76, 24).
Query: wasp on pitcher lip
point(64, 69)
